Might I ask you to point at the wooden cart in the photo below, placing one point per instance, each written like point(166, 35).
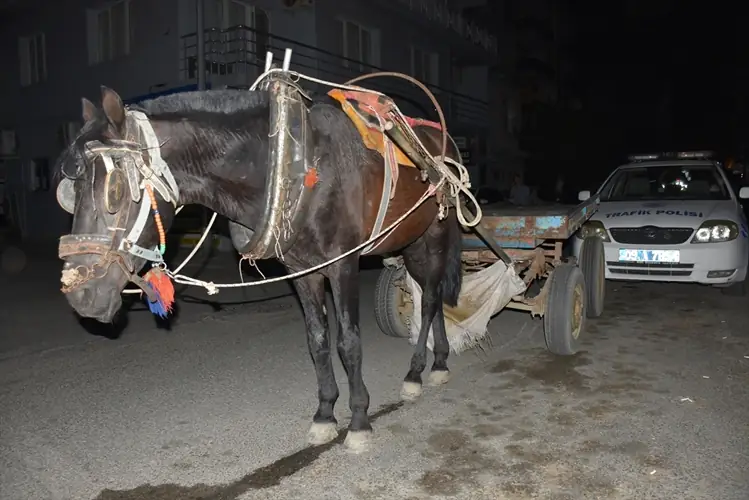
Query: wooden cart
point(561, 290)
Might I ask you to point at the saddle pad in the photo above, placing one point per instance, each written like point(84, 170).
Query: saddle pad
point(373, 138)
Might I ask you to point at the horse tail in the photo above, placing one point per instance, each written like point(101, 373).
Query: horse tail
point(453, 279)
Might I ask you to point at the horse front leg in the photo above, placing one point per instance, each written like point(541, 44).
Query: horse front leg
point(311, 291)
point(344, 283)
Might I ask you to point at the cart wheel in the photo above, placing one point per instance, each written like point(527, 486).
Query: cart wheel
point(393, 305)
point(593, 266)
point(564, 319)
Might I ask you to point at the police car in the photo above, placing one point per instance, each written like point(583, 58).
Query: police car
point(671, 217)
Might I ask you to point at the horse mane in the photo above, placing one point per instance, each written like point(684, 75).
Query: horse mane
point(228, 101)
point(326, 118)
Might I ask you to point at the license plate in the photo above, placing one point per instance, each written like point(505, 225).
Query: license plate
point(632, 255)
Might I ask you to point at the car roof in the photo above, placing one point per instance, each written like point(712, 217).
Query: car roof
point(668, 163)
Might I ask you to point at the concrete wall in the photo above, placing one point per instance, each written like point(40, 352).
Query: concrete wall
point(37, 111)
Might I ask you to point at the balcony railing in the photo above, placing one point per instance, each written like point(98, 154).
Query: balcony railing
point(235, 57)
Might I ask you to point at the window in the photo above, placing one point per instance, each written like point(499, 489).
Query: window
point(40, 178)
point(109, 32)
point(66, 134)
point(245, 44)
point(668, 182)
point(242, 36)
point(425, 66)
point(4, 217)
point(33, 58)
point(8, 144)
point(359, 44)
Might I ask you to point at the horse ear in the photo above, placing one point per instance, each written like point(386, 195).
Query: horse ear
point(88, 110)
point(113, 107)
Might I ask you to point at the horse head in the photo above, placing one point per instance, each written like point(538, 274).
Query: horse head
point(122, 197)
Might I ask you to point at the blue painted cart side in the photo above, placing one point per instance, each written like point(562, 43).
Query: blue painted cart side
point(527, 228)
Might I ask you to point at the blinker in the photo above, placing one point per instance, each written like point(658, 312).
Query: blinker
point(66, 195)
point(114, 191)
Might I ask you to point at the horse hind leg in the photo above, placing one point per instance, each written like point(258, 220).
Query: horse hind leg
point(434, 262)
point(344, 283)
point(439, 374)
point(450, 239)
point(311, 291)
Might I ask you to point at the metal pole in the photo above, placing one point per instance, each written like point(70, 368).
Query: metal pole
point(201, 44)
point(200, 28)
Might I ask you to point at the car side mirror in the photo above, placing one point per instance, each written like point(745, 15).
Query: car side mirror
point(744, 193)
point(583, 195)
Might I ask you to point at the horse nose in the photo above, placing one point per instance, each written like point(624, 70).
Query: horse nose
point(82, 297)
point(87, 296)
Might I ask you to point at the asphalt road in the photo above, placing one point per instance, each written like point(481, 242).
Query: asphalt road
point(218, 408)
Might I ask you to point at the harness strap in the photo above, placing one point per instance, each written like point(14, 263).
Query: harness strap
point(128, 244)
point(152, 173)
point(387, 185)
point(108, 163)
point(389, 182)
point(157, 163)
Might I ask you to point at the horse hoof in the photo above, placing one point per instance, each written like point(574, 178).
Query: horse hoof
point(438, 377)
point(358, 441)
point(410, 391)
point(322, 433)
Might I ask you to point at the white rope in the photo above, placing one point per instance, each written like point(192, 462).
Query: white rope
point(213, 288)
point(458, 185)
point(194, 250)
point(198, 244)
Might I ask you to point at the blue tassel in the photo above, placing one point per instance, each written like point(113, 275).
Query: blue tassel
point(157, 307)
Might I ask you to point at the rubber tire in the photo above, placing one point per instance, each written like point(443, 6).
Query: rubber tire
point(558, 332)
point(386, 303)
point(593, 266)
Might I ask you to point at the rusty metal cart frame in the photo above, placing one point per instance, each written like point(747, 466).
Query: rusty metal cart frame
point(533, 239)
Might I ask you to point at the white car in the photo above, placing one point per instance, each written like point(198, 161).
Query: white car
point(671, 217)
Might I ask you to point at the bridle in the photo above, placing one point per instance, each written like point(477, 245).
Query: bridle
point(135, 163)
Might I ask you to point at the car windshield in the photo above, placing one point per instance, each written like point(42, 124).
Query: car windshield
point(667, 182)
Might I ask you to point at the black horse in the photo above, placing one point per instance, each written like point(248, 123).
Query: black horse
point(216, 145)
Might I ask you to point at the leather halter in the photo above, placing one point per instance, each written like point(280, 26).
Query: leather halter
point(144, 168)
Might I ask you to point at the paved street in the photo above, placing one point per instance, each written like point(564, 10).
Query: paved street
point(219, 406)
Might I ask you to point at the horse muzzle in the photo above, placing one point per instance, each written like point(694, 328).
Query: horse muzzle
point(95, 302)
point(77, 276)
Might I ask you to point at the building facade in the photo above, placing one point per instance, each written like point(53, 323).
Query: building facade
point(65, 49)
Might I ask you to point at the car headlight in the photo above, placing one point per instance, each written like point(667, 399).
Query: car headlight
point(716, 231)
point(593, 228)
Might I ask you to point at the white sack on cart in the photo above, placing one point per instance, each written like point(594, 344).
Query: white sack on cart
point(482, 295)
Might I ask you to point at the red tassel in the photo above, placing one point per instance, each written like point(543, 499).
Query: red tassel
point(163, 286)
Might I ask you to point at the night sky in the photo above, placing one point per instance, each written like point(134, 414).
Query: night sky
point(647, 76)
point(663, 74)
